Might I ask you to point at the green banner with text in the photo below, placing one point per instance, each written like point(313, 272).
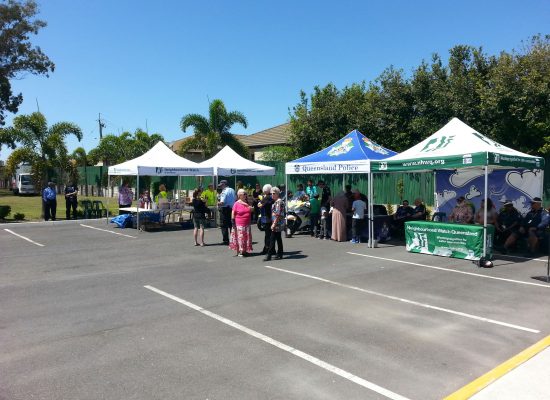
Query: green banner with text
point(448, 240)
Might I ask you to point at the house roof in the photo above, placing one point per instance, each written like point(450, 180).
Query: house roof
point(268, 137)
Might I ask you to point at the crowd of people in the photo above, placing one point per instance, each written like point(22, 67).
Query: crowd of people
point(330, 216)
point(510, 225)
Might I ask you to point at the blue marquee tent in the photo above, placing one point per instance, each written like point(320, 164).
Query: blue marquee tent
point(349, 155)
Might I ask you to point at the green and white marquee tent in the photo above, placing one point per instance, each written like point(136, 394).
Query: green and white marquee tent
point(456, 146)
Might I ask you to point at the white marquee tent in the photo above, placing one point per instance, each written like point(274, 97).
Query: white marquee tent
point(160, 161)
point(228, 163)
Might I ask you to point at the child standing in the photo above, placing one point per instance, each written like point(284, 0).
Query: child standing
point(324, 229)
point(315, 208)
point(358, 208)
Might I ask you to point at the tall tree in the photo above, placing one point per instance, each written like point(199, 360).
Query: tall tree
point(17, 55)
point(41, 146)
point(213, 133)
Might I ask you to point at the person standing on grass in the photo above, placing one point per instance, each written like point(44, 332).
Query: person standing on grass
point(49, 197)
point(71, 200)
point(277, 225)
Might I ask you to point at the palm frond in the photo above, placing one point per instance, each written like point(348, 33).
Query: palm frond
point(64, 129)
point(197, 121)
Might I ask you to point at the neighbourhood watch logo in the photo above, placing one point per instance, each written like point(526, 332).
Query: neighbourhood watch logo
point(159, 170)
point(297, 168)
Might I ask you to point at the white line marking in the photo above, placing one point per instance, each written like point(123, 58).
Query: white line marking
point(23, 237)
point(415, 303)
point(106, 230)
point(329, 367)
point(523, 258)
point(453, 270)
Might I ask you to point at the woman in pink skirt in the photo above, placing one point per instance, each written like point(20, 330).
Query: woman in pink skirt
point(241, 234)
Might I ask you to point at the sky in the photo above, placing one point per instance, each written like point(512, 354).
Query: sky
point(146, 64)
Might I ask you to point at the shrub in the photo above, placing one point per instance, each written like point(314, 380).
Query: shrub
point(19, 216)
point(4, 211)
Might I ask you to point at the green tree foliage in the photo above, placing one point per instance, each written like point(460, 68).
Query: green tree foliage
point(213, 133)
point(506, 97)
point(41, 146)
point(278, 153)
point(17, 55)
point(116, 149)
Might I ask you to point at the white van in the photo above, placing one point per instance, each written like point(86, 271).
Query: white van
point(22, 182)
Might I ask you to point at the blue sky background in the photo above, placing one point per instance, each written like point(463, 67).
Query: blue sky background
point(135, 61)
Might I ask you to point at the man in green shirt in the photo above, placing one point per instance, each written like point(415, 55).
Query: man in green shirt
point(210, 196)
point(314, 214)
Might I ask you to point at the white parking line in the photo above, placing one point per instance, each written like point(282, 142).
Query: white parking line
point(23, 237)
point(415, 303)
point(452, 270)
point(106, 230)
point(329, 367)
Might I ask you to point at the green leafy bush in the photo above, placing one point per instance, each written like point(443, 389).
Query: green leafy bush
point(19, 216)
point(4, 211)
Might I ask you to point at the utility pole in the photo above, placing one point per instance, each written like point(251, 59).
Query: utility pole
point(101, 126)
point(146, 127)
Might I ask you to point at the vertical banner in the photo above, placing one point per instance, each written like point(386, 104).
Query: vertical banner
point(448, 240)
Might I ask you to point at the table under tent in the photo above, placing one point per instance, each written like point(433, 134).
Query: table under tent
point(158, 161)
point(350, 155)
point(462, 154)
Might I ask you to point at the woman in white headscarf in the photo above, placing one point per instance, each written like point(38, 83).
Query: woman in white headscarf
point(339, 207)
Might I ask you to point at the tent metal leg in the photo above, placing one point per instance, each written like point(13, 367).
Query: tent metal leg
point(137, 204)
point(485, 212)
point(108, 196)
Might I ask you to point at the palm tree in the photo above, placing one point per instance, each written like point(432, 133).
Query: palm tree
point(42, 147)
point(211, 134)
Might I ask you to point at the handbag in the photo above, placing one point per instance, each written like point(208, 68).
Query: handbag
point(262, 225)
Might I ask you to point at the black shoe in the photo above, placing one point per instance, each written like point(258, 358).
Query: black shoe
point(278, 257)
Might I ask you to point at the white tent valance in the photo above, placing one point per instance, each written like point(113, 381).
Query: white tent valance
point(228, 163)
point(160, 161)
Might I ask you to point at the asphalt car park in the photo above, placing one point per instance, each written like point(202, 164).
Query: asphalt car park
point(92, 311)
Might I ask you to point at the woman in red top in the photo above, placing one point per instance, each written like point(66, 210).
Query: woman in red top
point(241, 234)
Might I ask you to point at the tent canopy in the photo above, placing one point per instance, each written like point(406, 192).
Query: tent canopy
point(456, 145)
point(159, 161)
point(228, 163)
point(349, 155)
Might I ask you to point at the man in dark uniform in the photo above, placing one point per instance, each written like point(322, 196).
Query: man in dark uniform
point(225, 205)
point(49, 197)
point(264, 206)
point(71, 200)
point(508, 221)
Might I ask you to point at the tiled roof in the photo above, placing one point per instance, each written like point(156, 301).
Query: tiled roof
point(277, 135)
point(269, 137)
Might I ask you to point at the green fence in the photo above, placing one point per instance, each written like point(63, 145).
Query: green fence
point(385, 185)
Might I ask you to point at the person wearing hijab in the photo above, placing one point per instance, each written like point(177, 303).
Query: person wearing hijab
point(340, 206)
